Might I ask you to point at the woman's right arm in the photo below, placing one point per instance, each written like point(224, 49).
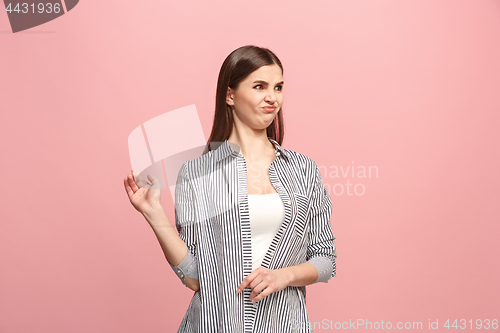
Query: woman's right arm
point(173, 246)
point(146, 200)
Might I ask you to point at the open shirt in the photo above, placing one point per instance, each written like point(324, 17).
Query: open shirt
point(212, 218)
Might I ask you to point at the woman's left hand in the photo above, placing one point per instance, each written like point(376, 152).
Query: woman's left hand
point(266, 280)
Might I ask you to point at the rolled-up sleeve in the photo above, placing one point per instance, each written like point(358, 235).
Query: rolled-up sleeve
point(185, 217)
point(321, 251)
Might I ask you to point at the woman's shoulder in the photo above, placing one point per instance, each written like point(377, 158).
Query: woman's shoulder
point(199, 165)
point(300, 159)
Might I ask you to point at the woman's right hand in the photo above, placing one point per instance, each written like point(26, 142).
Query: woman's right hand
point(142, 195)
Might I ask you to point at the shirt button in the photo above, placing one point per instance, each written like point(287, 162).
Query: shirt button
point(278, 154)
point(182, 275)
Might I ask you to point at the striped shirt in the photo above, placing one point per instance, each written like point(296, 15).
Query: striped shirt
point(212, 218)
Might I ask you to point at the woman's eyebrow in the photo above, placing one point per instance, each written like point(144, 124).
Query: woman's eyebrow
point(264, 82)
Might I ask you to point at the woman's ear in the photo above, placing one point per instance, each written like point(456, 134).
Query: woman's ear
point(229, 96)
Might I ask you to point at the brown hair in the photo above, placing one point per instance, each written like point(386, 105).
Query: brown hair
point(237, 66)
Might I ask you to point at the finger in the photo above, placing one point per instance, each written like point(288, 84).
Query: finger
point(260, 274)
point(257, 289)
point(242, 286)
point(138, 181)
point(246, 281)
point(262, 295)
point(255, 282)
point(155, 183)
point(141, 182)
point(132, 183)
point(127, 187)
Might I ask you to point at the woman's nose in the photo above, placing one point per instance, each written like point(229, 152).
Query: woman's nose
point(271, 97)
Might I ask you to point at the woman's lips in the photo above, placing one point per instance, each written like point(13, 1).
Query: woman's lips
point(269, 108)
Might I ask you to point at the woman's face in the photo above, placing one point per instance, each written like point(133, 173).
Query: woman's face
point(258, 98)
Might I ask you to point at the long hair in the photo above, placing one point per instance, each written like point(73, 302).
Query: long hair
point(237, 66)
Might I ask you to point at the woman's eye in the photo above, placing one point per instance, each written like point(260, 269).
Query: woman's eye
point(259, 86)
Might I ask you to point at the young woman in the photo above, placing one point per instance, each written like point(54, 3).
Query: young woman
point(253, 217)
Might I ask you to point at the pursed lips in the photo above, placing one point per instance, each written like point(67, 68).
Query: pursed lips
point(269, 108)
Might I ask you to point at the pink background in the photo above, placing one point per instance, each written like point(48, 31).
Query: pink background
point(411, 87)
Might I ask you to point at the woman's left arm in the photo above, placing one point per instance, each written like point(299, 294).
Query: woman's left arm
point(300, 275)
point(321, 251)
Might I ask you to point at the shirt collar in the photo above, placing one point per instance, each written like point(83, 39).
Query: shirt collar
point(225, 149)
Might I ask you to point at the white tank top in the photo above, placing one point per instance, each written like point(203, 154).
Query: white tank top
point(266, 215)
